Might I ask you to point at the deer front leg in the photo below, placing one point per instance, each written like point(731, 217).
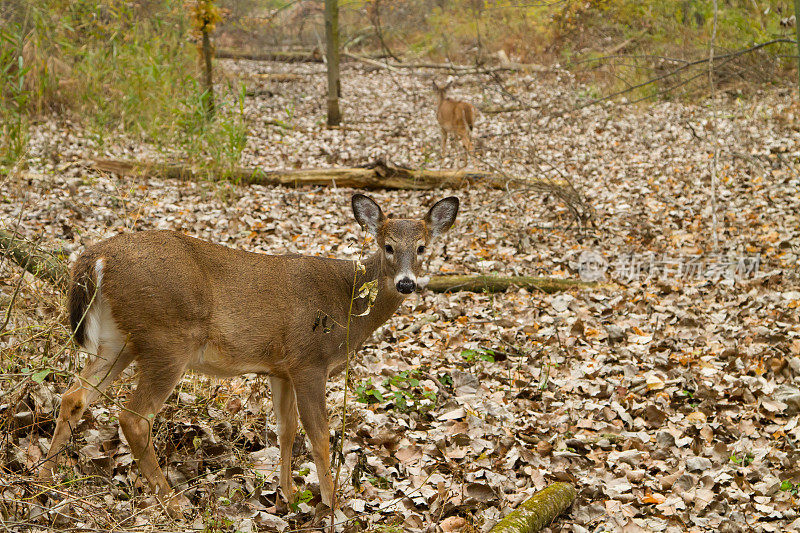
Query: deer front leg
point(285, 406)
point(310, 393)
point(444, 144)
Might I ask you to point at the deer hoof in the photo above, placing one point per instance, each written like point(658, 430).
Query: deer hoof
point(175, 505)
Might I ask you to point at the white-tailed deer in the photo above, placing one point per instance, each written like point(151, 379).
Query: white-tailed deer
point(171, 302)
point(456, 118)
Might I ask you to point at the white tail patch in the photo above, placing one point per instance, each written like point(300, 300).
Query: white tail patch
point(101, 328)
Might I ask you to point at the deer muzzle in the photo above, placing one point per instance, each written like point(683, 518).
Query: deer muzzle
point(405, 285)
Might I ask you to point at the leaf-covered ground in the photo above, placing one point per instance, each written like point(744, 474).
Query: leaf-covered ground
point(669, 398)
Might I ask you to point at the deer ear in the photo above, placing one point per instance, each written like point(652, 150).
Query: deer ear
point(368, 213)
point(442, 215)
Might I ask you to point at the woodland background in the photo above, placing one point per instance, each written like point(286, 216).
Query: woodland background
point(632, 132)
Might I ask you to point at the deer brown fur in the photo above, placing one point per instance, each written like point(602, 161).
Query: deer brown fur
point(455, 118)
point(171, 302)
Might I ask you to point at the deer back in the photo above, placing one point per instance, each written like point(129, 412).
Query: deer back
point(455, 116)
point(238, 311)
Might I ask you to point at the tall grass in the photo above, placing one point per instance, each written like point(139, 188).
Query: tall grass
point(13, 100)
point(116, 67)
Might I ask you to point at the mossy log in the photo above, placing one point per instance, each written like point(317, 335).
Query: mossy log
point(473, 283)
point(43, 265)
point(51, 268)
point(375, 175)
point(539, 511)
point(282, 56)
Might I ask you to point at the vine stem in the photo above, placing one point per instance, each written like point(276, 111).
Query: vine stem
point(356, 265)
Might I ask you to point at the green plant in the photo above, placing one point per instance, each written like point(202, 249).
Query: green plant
point(388, 529)
point(213, 523)
point(407, 394)
point(789, 486)
point(304, 496)
point(481, 354)
point(367, 393)
point(743, 459)
point(380, 482)
point(403, 392)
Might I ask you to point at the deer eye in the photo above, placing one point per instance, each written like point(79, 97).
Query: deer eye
point(420, 250)
point(389, 249)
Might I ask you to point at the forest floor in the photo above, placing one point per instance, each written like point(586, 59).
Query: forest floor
point(667, 394)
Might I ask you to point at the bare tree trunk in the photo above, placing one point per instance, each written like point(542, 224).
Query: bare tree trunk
point(332, 54)
point(208, 97)
point(797, 36)
point(714, 136)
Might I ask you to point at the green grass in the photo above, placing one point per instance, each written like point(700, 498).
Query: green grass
point(13, 99)
point(118, 68)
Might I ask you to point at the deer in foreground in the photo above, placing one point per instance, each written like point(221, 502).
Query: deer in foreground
point(171, 302)
point(456, 118)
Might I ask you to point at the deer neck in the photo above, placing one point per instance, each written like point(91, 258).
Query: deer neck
point(385, 305)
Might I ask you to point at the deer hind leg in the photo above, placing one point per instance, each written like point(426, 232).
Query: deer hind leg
point(285, 406)
point(310, 394)
point(111, 359)
point(157, 378)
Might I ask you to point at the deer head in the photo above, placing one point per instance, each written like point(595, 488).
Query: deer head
point(403, 242)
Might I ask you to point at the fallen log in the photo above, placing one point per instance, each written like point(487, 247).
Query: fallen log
point(496, 110)
point(283, 56)
point(539, 511)
point(51, 268)
point(43, 265)
point(473, 283)
point(375, 175)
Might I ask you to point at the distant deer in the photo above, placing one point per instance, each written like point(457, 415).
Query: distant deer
point(171, 302)
point(455, 117)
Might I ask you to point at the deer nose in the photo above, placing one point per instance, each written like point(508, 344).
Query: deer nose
point(406, 286)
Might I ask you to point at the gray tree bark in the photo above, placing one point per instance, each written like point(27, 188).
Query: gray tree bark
point(797, 36)
point(332, 55)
